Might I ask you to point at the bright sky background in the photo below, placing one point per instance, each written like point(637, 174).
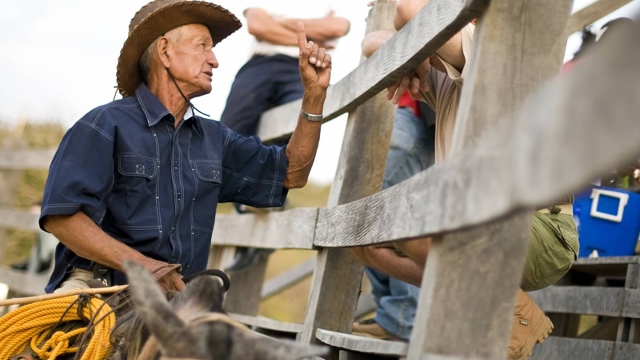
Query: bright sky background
point(58, 61)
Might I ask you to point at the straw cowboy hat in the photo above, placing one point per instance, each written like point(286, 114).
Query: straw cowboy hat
point(159, 17)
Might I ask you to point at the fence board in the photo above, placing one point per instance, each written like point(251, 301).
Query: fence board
point(266, 323)
point(581, 300)
point(558, 348)
point(478, 271)
point(18, 219)
point(24, 283)
point(288, 279)
point(26, 159)
point(291, 229)
point(505, 173)
point(626, 351)
point(360, 172)
point(431, 28)
point(631, 303)
point(592, 13)
point(362, 344)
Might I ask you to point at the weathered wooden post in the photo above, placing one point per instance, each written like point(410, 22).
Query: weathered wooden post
point(471, 277)
point(359, 174)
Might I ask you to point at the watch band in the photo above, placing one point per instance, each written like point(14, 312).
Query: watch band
point(311, 117)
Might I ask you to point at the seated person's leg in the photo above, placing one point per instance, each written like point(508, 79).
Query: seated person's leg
point(553, 247)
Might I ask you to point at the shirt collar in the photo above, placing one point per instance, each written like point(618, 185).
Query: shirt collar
point(151, 106)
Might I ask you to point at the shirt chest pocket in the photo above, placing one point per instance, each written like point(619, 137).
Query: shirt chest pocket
point(136, 165)
point(209, 177)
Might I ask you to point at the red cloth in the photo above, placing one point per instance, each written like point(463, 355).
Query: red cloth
point(407, 101)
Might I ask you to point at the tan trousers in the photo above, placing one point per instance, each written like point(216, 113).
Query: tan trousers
point(77, 279)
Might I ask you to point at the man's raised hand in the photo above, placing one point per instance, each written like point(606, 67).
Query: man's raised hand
point(315, 63)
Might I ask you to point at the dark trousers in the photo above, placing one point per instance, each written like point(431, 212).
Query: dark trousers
point(262, 83)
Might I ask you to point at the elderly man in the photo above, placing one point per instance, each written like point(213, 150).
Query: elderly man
point(139, 178)
point(553, 244)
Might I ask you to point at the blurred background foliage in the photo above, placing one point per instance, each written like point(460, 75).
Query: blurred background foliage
point(290, 305)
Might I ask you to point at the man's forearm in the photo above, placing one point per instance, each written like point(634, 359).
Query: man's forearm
point(322, 30)
point(302, 147)
point(82, 236)
point(265, 28)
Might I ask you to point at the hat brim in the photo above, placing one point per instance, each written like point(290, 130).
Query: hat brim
point(220, 21)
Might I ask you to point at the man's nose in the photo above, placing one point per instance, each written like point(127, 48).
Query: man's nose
point(212, 60)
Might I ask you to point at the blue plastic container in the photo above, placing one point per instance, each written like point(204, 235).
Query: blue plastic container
point(608, 221)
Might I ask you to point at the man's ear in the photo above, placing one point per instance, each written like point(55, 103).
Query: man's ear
point(163, 48)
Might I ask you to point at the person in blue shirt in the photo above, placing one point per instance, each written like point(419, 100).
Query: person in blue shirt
point(140, 178)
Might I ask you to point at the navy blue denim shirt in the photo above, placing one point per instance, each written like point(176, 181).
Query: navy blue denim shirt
point(155, 187)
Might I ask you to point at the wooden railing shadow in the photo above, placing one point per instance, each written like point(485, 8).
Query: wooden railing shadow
point(525, 136)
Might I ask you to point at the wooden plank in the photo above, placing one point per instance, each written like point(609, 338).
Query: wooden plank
point(431, 28)
point(359, 174)
point(18, 219)
point(507, 172)
point(472, 276)
point(26, 159)
point(244, 296)
point(24, 283)
point(605, 266)
point(558, 348)
point(626, 351)
point(288, 278)
point(581, 300)
point(631, 307)
point(266, 323)
point(362, 344)
point(366, 304)
point(289, 229)
point(592, 13)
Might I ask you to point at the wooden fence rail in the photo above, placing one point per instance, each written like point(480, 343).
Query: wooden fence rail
point(521, 142)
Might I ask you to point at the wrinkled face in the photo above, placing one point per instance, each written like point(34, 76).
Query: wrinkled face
point(193, 61)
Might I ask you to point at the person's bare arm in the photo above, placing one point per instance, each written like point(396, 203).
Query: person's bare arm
point(315, 70)
point(265, 28)
point(320, 30)
point(450, 52)
point(386, 260)
point(374, 40)
point(82, 236)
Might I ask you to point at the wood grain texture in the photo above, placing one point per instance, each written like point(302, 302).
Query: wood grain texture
point(558, 348)
point(626, 351)
point(266, 323)
point(26, 159)
point(359, 174)
point(289, 229)
point(528, 161)
point(243, 296)
point(431, 28)
point(631, 307)
point(581, 300)
point(471, 278)
point(361, 344)
point(592, 13)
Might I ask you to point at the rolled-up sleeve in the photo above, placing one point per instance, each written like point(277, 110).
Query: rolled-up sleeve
point(81, 173)
point(253, 173)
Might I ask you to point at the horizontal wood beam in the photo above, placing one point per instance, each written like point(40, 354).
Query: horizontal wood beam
point(260, 322)
point(362, 344)
point(18, 219)
point(554, 145)
point(593, 13)
point(22, 282)
point(581, 300)
point(288, 278)
point(26, 159)
point(290, 229)
point(569, 348)
point(436, 23)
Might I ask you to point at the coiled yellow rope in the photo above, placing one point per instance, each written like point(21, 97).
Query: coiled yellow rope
point(32, 323)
